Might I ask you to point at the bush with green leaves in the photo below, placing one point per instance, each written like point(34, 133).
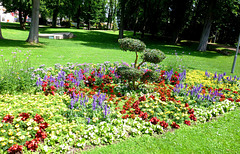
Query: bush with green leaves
point(153, 56)
point(129, 44)
point(149, 55)
point(129, 73)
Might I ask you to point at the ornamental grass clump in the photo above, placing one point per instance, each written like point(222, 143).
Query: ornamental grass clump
point(149, 55)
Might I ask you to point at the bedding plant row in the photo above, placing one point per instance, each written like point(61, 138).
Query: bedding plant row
point(81, 105)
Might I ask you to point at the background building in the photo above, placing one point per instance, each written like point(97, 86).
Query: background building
point(6, 17)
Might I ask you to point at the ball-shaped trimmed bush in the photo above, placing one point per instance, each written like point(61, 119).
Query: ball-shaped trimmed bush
point(131, 44)
point(129, 73)
point(150, 76)
point(153, 56)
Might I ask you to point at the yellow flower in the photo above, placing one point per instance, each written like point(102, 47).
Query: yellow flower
point(3, 131)
point(18, 134)
point(4, 143)
point(17, 125)
point(1, 139)
point(1, 125)
point(10, 141)
point(10, 133)
point(29, 123)
point(12, 137)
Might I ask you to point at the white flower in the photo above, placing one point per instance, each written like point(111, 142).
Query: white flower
point(147, 131)
point(22, 137)
point(36, 128)
point(29, 128)
point(45, 148)
point(54, 137)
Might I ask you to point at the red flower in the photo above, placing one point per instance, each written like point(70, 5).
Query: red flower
point(24, 116)
point(32, 145)
point(238, 100)
point(53, 88)
point(192, 117)
point(153, 97)
point(137, 110)
point(163, 98)
point(43, 125)
point(38, 118)
point(190, 111)
point(231, 99)
point(163, 124)
point(187, 122)
point(154, 120)
point(174, 125)
point(143, 98)
point(221, 99)
point(123, 111)
point(186, 105)
point(135, 105)
point(125, 117)
point(41, 135)
point(133, 116)
point(53, 93)
point(15, 149)
point(8, 119)
point(143, 115)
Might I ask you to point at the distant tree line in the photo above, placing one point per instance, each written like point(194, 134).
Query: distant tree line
point(173, 20)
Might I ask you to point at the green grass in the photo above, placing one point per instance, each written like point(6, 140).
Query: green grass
point(101, 46)
point(221, 136)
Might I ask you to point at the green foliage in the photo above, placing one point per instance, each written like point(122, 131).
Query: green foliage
point(153, 56)
point(129, 73)
point(15, 75)
point(150, 76)
point(132, 44)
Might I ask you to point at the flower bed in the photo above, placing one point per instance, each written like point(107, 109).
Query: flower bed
point(89, 104)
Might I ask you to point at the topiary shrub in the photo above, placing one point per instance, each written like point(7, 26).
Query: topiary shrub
point(150, 76)
point(131, 45)
point(149, 55)
point(129, 73)
point(153, 56)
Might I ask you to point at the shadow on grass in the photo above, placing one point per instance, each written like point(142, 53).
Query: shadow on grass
point(19, 43)
point(106, 40)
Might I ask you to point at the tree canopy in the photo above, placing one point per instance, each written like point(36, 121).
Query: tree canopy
point(171, 20)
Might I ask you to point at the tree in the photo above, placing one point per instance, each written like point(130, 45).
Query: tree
point(207, 26)
point(180, 12)
point(55, 6)
point(122, 17)
point(22, 6)
point(1, 37)
point(33, 33)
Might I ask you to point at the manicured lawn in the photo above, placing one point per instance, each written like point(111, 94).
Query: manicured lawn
point(100, 46)
point(218, 136)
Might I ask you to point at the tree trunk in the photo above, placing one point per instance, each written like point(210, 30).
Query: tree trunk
point(22, 24)
point(89, 25)
point(78, 17)
point(54, 19)
point(33, 33)
point(135, 27)
point(144, 18)
point(207, 27)
point(1, 37)
point(108, 18)
point(121, 27)
point(205, 34)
